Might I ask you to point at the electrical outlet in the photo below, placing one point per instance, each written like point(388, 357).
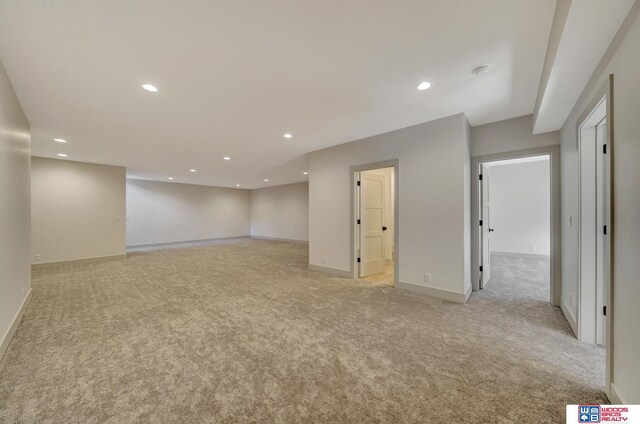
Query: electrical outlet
point(533, 248)
point(153, 239)
point(570, 221)
point(427, 277)
point(36, 258)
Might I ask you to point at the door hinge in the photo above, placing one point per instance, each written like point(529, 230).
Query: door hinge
point(358, 183)
point(480, 223)
point(604, 229)
point(480, 177)
point(604, 149)
point(358, 222)
point(480, 268)
point(604, 310)
point(358, 260)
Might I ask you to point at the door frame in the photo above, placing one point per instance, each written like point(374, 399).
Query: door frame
point(395, 163)
point(605, 91)
point(553, 152)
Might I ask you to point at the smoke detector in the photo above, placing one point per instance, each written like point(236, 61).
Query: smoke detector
point(482, 69)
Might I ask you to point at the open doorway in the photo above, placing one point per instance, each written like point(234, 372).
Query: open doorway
point(375, 225)
point(515, 226)
point(594, 225)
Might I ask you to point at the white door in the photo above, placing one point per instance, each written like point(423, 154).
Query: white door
point(372, 240)
point(601, 222)
point(485, 216)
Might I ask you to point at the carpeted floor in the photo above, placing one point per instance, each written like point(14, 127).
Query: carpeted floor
point(241, 332)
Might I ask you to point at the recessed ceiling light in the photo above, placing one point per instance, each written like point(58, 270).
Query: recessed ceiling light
point(226, 158)
point(424, 86)
point(170, 178)
point(482, 69)
point(60, 140)
point(150, 87)
point(192, 170)
point(237, 185)
point(63, 155)
point(305, 173)
point(287, 135)
point(266, 180)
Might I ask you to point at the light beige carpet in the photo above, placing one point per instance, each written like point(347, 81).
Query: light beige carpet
point(241, 331)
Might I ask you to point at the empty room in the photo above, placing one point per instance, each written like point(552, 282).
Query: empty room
point(319, 212)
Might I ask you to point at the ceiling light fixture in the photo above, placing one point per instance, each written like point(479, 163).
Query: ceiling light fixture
point(226, 158)
point(170, 178)
point(150, 87)
point(288, 135)
point(266, 180)
point(192, 170)
point(424, 86)
point(482, 69)
point(63, 155)
point(60, 140)
point(305, 173)
point(237, 185)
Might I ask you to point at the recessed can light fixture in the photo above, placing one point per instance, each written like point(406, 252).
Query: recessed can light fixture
point(170, 178)
point(192, 170)
point(63, 155)
point(226, 158)
point(60, 140)
point(305, 173)
point(237, 185)
point(424, 86)
point(150, 87)
point(266, 180)
point(288, 135)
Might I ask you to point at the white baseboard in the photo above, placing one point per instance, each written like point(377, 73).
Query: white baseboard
point(332, 271)
point(570, 318)
point(434, 292)
point(615, 397)
point(520, 254)
point(280, 239)
point(179, 242)
point(41, 265)
point(11, 331)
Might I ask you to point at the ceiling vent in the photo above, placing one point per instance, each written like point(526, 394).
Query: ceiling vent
point(482, 69)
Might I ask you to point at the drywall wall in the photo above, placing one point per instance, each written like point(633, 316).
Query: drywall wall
point(509, 135)
point(281, 212)
point(159, 212)
point(78, 210)
point(15, 203)
point(520, 207)
point(432, 197)
point(623, 61)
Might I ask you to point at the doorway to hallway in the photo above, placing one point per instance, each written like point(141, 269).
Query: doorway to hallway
point(375, 228)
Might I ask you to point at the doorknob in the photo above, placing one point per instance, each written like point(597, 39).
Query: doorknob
point(491, 230)
point(384, 228)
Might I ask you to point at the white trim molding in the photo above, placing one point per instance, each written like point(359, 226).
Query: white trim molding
point(8, 336)
point(434, 292)
point(280, 239)
point(331, 271)
point(77, 261)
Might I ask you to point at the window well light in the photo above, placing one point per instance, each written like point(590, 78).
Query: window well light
point(150, 87)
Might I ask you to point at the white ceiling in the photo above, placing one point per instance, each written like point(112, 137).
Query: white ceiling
point(234, 76)
point(586, 31)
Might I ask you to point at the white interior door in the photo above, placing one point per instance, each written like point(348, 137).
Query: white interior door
point(372, 240)
point(601, 222)
point(485, 216)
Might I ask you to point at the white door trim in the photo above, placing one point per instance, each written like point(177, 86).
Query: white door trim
point(395, 163)
point(554, 166)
